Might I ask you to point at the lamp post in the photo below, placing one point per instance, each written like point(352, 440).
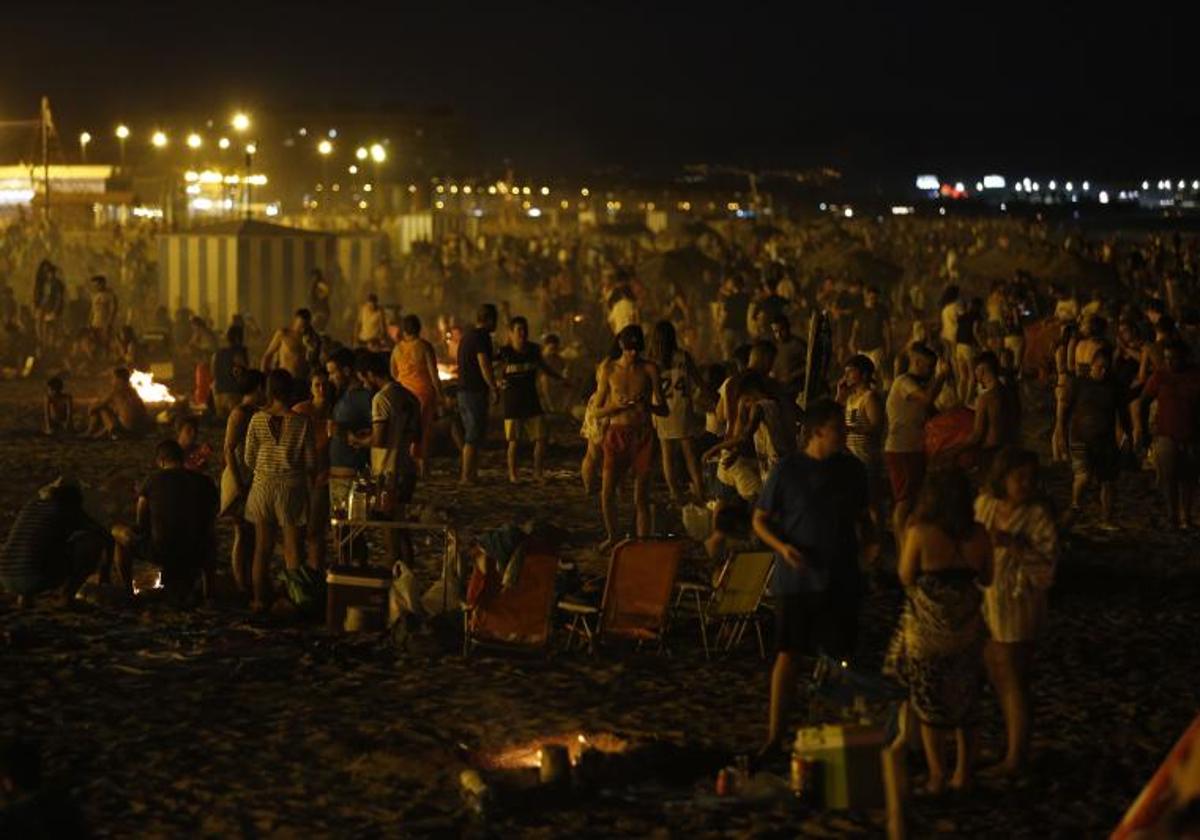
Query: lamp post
point(240, 122)
point(84, 139)
point(122, 135)
point(325, 149)
point(378, 157)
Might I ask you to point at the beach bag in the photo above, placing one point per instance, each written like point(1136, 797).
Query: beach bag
point(305, 589)
point(697, 521)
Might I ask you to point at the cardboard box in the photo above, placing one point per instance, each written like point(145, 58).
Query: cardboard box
point(850, 761)
point(364, 587)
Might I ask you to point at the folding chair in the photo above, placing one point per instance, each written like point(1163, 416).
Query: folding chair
point(637, 595)
point(517, 617)
point(733, 603)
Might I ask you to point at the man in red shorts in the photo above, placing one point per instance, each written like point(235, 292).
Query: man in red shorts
point(908, 404)
point(628, 394)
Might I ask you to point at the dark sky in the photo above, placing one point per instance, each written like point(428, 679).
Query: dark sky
point(891, 87)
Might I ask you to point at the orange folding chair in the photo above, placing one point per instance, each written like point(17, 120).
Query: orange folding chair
point(519, 616)
point(637, 595)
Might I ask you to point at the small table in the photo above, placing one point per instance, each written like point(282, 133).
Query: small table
point(345, 531)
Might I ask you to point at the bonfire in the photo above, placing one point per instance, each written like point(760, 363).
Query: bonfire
point(151, 392)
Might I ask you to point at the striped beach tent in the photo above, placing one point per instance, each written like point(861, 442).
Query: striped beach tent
point(247, 266)
point(357, 256)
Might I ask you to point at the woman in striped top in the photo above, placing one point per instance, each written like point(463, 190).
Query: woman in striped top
point(866, 422)
point(1025, 544)
point(282, 455)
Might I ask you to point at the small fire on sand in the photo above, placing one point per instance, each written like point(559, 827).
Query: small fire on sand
point(151, 392)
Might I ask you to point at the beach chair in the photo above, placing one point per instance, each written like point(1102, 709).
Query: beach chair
point(637, 596)
point(733, 603)
point(519, 616)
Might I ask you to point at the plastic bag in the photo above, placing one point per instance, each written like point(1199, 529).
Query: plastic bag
point(305, 589)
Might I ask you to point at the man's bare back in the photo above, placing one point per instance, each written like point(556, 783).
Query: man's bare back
point(288, 349)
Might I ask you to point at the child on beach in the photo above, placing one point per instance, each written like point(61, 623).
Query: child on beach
point(58, 411)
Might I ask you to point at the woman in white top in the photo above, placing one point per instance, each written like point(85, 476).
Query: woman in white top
point(678, 378)
point(1025, 542)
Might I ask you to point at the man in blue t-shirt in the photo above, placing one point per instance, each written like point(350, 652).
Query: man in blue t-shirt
point(810, 513)
point(476, 387)
point(350, 445)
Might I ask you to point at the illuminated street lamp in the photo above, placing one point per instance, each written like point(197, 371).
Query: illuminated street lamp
point(122, 136)
point(194, 141)
point(223, 143)
point(84, 139)
point(378, 153)
point(159, 140)
point(240, 122)
point(324, 149)
point(361, 153)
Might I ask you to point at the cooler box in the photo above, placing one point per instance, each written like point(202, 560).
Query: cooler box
point(850, 758)
point(352, 586)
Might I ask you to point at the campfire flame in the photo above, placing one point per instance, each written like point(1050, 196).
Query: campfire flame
point(157, 583)
point(151, 392)
point(530, 754)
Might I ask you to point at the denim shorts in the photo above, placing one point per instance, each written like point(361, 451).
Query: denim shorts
point(473, 408)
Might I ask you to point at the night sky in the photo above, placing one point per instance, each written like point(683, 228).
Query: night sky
point(574, 86)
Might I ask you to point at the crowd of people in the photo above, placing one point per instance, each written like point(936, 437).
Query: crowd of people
point(856, 428)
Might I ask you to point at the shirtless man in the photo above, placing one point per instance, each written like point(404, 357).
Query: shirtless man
point(122, 412)
point(627, 396)
point(289, 349)
point(997, 411)
point(104, 311)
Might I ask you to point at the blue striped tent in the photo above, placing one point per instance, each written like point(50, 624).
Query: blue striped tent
point(249, 267)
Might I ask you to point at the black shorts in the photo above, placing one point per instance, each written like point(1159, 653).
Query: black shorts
point(816, 622)
point(1100, 461)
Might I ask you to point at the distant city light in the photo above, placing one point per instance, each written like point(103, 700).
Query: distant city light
point(534, 212)
point(1003, 207)
point(848, 213)
point(303, 132)
point(1070, 187)
point(240, 122)
point(223, 143)
point(378, 153)
point(466, 189)
point(1103, 197)
point(367, 188)
point(979, 186)
point(353, 170)
point(584, 192)
point(325, 147)
point(993, 182)
point(272, 210)
point(1018, 187)
point(1145, 185)
point(1053, 185)
point(941, 211)
point(1182, 185)
point(960, 187)
point(491, 189)
point(1086, 186)
point(333, 134)
point(122, 132)
point(928, 182)
point(85, 138)
point(545, 191)
point(194, 141)
point(251, 148)
point(902, 211)
point(158, 139)
point(361, 153)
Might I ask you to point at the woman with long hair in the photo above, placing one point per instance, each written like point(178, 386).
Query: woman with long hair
point(238, 476)
point(678, 378)
point(1014, 605)
point(935, 651)
point(866, 423)
point(281, 452)
point(414, 365)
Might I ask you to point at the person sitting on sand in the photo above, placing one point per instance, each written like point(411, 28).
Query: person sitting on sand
point(52, 546)
point(58, 410)
point(195, 454)
point(176, 527)
point(122, 412)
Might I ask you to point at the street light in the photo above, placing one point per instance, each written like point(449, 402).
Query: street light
point(194, 141)
point(240, 122)
point(84, 139)
point(361, 153)
point(378, 153)
point(122, 136)
point(158, 140)
point(223, 143)
point(325, 148)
